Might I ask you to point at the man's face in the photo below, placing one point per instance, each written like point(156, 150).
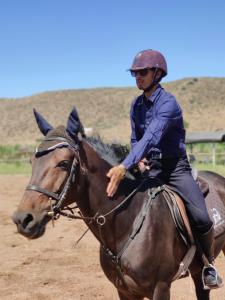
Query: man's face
point(143, 78)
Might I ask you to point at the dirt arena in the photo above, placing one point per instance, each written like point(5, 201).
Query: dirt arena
point(51, 267)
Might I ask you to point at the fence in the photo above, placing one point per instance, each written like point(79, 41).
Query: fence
point(207, 158)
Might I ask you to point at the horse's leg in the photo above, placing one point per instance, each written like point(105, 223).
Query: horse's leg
point(162, 291)
point(128, 297)
point(200, 292)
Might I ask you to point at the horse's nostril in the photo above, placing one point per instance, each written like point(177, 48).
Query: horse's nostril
point(22, 219)
point(26, 220)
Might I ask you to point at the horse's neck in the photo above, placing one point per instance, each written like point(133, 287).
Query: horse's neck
point(117, 226)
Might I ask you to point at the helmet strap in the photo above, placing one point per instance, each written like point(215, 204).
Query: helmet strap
point(154, 81)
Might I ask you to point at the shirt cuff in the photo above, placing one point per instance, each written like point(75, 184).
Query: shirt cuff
point(127, 163)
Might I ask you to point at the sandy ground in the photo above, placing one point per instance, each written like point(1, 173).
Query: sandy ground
point(51, 267)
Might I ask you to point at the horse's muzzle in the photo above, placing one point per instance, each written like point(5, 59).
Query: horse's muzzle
point(30, 226)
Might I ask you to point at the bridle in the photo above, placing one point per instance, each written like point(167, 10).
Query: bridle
point(60, 196)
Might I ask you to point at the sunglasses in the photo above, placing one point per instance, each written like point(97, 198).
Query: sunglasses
point(142, 72)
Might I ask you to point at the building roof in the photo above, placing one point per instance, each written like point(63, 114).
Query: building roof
point(205, 137)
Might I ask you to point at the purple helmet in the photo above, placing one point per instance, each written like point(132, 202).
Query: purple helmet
point(149, 59)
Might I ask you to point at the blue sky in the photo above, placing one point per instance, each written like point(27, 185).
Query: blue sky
point(71, 44)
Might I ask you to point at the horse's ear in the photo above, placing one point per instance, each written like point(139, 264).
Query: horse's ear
point(74, 125)
point(43, 125)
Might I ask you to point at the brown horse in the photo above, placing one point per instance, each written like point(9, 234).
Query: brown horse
point(139, 252)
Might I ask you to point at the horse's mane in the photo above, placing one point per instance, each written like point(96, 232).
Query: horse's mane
point(112, 153)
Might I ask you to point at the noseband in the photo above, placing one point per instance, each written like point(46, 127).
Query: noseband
point(59, 197)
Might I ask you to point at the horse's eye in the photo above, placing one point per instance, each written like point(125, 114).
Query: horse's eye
point(64, 164)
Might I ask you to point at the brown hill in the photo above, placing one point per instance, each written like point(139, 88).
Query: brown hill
point(107, 109)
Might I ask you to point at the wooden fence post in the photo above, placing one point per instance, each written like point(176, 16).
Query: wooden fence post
point(213, 154)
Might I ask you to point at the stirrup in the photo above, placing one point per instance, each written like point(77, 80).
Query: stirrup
point(218, 280)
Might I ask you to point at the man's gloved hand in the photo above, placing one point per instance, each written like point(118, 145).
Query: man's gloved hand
point(116, 174)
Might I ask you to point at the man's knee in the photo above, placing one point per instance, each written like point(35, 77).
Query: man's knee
point(202, 228)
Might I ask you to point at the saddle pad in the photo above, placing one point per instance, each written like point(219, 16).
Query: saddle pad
point(216, 209)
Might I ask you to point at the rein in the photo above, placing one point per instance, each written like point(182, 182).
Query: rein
point(101, 219)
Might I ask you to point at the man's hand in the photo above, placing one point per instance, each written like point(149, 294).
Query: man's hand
point(116, 174)
point(143, 165)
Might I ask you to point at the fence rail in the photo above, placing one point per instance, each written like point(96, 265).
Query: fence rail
point(207, 158)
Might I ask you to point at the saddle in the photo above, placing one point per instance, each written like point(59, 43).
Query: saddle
point(176, 206)
point(178, 210)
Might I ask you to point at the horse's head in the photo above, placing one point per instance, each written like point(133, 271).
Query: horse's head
point(56, 164)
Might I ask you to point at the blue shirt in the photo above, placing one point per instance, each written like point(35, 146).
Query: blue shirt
point(157, 128)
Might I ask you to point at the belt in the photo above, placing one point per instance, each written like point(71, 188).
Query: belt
point(161, 156)
point(155, 156)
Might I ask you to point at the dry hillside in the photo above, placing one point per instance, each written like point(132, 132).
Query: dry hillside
point(107, 109)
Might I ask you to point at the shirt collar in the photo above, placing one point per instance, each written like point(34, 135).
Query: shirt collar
point(155, 94)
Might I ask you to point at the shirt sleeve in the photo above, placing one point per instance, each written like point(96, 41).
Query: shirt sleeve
point(133, 138)
point(165, 115)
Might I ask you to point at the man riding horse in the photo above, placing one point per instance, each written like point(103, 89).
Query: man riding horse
point(158, 146)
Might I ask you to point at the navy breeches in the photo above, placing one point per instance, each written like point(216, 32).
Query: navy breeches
point(177, 174)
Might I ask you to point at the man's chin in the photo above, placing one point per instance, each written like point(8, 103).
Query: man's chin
point(140, 86)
